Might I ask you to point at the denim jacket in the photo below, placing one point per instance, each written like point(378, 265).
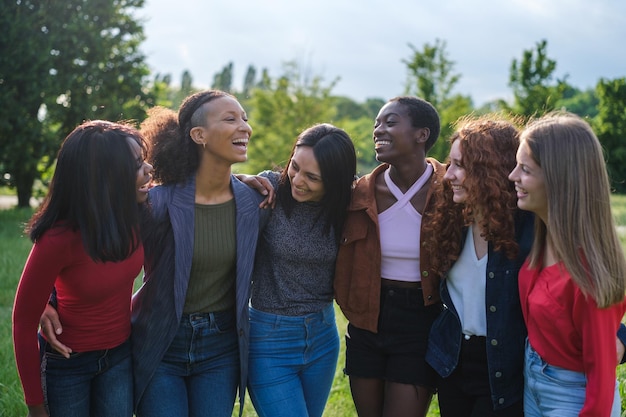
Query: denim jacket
point(506, 331)
point(168, 246)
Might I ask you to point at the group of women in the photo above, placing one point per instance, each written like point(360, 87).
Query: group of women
point(423, 259)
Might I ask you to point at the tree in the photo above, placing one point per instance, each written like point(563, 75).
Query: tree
point(161, 90)
point(610, 126)
point(430, 73)
point(185, 90)
point(583, 103)
point(99, 69)
point(531, 80)
point(224, 80)
point(373, 106)
point(360, 130)
point(281, 110)
point(62, 63)
point(431, 77)
point(249, 81)
point(26, 45)
point(350, 109)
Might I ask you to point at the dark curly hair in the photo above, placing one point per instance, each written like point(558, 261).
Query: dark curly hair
point(488, 147)
point(173, 154)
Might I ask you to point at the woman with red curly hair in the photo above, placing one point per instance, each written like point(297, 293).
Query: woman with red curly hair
point(476, 345)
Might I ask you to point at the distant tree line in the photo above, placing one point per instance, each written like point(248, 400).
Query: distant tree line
point(65, 62)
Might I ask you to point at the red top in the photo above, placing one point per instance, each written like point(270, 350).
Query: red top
point(568, 330)
point(93, 301)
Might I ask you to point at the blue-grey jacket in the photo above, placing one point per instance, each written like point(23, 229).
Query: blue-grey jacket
point(168, 244)
point(506, 331)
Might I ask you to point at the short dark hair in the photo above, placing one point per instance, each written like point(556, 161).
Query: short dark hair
point(335, 154)
point(93, 190)
point(422, 114)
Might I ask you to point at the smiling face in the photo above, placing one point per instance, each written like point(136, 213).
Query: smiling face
point(226, 132)
point(529, 183)
point(305, 175)
point(456, 173)
point(394, 135)
point(144, 171)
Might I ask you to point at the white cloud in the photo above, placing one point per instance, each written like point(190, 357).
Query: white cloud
point(364, 41)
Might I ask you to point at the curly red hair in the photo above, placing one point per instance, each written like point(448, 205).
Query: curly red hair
point(488, 147)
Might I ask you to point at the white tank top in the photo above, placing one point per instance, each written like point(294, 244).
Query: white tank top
point(400, 228)
point(467, 281)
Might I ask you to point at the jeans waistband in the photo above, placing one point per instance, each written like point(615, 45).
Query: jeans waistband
point(328, 313)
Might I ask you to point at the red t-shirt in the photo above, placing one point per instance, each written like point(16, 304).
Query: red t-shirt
point(568, 330)
point(93, 301)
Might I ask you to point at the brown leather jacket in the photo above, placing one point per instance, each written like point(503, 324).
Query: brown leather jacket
point(357, 274)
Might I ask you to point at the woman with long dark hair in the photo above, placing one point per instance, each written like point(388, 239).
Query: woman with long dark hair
point(294, 341)
point(87, 245)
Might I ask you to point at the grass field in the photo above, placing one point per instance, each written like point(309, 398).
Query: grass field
point(14, 248)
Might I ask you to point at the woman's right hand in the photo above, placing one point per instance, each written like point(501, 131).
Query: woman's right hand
point(51, 327)
point(262, 185)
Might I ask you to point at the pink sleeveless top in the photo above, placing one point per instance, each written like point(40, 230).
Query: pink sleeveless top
point(400, 228)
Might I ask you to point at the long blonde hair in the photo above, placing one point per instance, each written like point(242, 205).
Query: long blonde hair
point(579, 208)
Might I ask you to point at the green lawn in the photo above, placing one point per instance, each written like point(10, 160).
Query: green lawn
point(14, 248)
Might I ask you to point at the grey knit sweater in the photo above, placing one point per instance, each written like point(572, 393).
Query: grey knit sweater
point(295, 262)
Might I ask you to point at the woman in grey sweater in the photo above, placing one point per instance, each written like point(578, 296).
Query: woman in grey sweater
point(294, 341)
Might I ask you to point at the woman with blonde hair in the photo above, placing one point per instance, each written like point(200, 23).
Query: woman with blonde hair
point(573, 283)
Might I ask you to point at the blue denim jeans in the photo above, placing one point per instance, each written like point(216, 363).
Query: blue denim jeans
point(551, 391)
point(98, 383)
point(292, 362)
point(199, 374)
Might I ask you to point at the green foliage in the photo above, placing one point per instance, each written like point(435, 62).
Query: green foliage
point(360, 130)
point(64, 62)
point(358, 120)
point(248, 81)
point(346, 108)
point(610, 126)
point(431, 77)
point(531, 80)
point(373, 106)
point(583, 103)
point(430, 73)
point(280, 110)
point(24, 77)
point(164, 95)
point(14, 248)
point(161, 91)
point(97, 65)
point(224, 80)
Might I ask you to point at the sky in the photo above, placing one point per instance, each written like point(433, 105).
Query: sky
point(363, 42)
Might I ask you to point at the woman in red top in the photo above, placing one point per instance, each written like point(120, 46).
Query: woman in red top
point(573, 283)
point(86, 246)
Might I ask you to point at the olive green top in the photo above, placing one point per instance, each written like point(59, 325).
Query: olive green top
point(212, 277)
